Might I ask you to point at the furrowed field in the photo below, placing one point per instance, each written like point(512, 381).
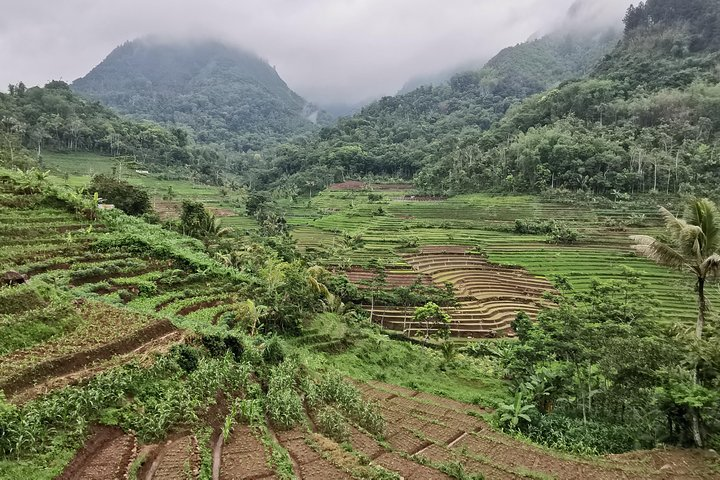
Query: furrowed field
point(121, 358)
point(343, 228)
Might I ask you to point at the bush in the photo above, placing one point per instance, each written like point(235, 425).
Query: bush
point(589, 438)
point(533, 227)
point(274, 352)
point(562, 234)
point(214, 345)
point(128, 198)
point(332, 424)
point(186, 357)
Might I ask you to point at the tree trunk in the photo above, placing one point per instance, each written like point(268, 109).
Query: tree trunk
point(702, 309)
point(694, 414)
point(655, 176)
point(695, 427)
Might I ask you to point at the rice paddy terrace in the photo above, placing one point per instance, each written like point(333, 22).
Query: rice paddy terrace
point(469, 241)
point(489, 295)
point(87, 304)
point(84, 303)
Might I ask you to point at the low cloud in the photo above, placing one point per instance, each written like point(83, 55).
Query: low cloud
point(326, 50)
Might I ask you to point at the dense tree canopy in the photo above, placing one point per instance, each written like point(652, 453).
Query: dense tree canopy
point(646, 118)
point(224, 95)
point(398, 136)
point(54, 118)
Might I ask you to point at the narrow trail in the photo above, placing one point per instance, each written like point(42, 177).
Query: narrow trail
point(217, 457)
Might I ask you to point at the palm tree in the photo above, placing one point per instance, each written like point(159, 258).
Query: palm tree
point(693, 246)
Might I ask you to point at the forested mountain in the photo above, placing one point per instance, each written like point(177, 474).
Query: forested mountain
point(53, 117)
point(441, 77)
point(399, 135)
point(646, 119)
point(224, 94)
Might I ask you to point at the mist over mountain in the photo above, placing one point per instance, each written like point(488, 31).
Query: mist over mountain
point(399, 135)
point(440, 77)
point(226, 95)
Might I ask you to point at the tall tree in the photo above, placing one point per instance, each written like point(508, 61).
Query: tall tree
point(693, 246)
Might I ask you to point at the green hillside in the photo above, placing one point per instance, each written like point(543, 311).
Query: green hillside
point(399, 135)
point(224, 94)
point(39, 122)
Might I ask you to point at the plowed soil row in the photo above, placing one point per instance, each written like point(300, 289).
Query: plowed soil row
point(178, 458)
point(107, 455)
point(159, 345)
point(439, 430)
point(243, 456)
point(109, 331)
point(308, 463)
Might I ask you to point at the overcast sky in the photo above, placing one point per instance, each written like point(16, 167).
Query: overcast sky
point(326, 50)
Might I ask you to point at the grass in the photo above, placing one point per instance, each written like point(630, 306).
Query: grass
point(37, 467)
point(373, 356)
point(76, 169)
point(485, 222)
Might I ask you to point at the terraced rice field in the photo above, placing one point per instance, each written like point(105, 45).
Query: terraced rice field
point(485, 223)
point(86, 309)
point(426, 437)
point(490, 296)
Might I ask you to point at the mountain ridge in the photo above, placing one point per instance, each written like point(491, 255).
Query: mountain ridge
point(225, 94)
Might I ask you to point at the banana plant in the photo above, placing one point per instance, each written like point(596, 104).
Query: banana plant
point(510, 415)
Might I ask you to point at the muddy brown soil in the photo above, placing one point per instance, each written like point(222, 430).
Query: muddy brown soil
point(44, 371)
point(107, 455)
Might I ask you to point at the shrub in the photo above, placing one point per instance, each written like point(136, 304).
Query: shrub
point(128, 198)
point(409, 242)
point(533, 227)
point(274, 351)
point(590, 438)
point(185, 356)
point(332, 424)
point(214, 345)
point(562, 234)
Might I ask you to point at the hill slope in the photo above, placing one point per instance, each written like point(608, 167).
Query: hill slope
point(644, 121)
point(38, 119)
point(399, 135)
point(226, 95)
